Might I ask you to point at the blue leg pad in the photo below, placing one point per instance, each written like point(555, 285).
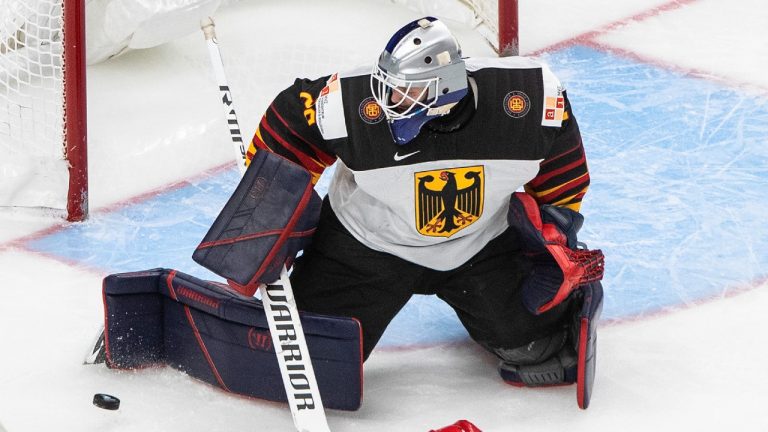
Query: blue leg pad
point(165, 317)
point(586, 326)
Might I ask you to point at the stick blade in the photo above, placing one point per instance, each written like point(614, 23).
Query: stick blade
point(98, 353)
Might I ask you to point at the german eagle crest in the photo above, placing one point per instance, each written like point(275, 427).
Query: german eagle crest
point(448, 200)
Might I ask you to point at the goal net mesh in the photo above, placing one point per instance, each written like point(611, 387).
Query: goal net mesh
point(33, 168)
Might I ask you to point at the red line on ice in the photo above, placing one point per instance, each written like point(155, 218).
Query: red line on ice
point(592, 34)
point(589, 39)
point(21, 242)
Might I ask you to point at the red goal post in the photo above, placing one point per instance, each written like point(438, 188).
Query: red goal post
point(75, 109)
point(509, 36)
point(498, 22)
point(43, 133)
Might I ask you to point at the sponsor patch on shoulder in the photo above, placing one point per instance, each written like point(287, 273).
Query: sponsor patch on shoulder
point(329, 109)
point(370, 111)
point(517, 104)
point(554, 106)
point(331, 86)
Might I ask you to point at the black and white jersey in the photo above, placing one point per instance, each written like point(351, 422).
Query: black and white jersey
point(439, 199)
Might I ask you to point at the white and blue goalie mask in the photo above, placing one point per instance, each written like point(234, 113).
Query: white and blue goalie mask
point(419, 76)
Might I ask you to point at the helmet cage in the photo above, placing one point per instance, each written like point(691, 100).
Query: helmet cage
point(387, 84)
point(422, 68)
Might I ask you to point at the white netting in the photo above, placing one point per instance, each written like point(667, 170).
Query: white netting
point(487, 12)
point(33, 171)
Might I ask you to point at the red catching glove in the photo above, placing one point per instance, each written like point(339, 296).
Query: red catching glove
point(548, 234)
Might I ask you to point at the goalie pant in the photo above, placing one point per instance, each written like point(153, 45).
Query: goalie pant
point(337, 275)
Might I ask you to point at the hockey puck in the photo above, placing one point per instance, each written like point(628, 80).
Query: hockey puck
point(106, 401)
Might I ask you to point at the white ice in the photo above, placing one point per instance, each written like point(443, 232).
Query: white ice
point(154, 119)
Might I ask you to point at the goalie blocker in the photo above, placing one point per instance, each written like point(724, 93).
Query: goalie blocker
point(263, 225)
point(165, 317)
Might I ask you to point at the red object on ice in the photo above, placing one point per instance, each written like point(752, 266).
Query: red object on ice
point(459, 426)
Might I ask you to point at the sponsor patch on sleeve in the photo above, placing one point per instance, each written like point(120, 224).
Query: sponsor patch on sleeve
point(330, 110)
point(554, 100)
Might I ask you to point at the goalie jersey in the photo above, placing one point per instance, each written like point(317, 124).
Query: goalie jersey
point(439, 199)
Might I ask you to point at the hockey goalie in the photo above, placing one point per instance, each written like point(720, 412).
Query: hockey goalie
point(430, 149)
point(455, 177)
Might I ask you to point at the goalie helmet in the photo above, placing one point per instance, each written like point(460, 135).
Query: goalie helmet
point(419, 76)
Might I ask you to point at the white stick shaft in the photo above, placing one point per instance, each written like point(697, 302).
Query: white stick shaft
point(293, 356)
point(226, 96)
point(279, 305)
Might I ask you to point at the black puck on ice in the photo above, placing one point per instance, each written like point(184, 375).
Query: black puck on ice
point(106, 401)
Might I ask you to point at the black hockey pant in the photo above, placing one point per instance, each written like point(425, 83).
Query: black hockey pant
point(338, 275)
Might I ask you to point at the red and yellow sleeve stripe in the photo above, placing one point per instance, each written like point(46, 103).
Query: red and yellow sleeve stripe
point(563, 180)
point(276, 135)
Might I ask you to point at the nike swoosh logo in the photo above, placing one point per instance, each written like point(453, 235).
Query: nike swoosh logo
point(399, 158)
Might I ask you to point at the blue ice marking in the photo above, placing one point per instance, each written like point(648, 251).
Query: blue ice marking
point(679, 170)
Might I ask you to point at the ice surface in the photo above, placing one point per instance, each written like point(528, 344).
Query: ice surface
point(675, 130)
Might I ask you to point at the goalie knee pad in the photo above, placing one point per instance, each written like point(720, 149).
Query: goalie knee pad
point(534, 352)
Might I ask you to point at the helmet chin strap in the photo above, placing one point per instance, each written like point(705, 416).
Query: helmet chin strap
point(441, 110)
point(405, 131)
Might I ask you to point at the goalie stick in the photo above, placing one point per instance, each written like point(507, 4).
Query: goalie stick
point(98, 353)
point(294, 360)
point(209, 30)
